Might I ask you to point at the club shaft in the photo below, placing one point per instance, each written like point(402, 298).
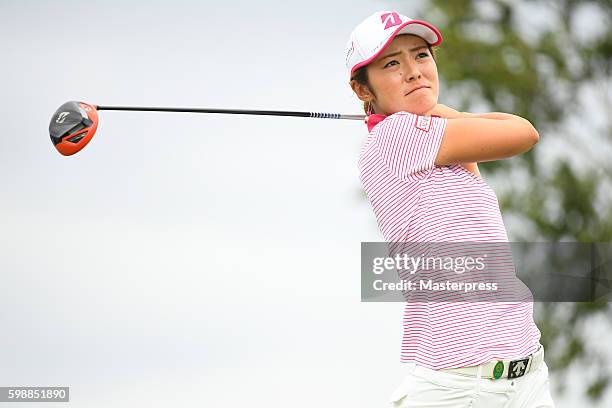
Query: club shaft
point(234, 111)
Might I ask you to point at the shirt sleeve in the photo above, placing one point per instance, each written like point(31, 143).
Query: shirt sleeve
point(409, 143)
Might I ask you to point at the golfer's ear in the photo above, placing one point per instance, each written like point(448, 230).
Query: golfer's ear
point(481, 140)
point(362, 91)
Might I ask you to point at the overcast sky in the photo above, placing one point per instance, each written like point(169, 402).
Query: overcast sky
point(184, 259)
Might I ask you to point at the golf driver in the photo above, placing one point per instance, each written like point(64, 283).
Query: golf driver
point(74, 123)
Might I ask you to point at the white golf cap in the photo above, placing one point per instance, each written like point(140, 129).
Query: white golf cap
point(372, 35)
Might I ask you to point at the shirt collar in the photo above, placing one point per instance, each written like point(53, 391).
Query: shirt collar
point(373, 120)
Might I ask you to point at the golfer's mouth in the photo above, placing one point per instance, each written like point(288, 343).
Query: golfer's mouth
point(417, 88)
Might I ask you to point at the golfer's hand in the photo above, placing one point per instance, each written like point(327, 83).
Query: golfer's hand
point(445, 112)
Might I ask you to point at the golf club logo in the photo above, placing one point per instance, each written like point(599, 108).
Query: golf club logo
point(61, 117)
point(390, 19)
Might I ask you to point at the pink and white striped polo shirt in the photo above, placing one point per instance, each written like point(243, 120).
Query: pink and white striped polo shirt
point(416, 201)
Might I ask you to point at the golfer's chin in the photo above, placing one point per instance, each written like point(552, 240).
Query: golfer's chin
point(421, 104)
point(421, 109)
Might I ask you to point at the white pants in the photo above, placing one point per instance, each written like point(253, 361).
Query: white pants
point(423, 387)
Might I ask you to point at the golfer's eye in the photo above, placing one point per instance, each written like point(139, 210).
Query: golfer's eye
point(387, 64)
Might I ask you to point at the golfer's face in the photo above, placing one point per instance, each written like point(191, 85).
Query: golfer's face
point(404, 77)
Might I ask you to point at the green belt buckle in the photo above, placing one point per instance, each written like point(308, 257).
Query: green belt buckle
point(498, 370)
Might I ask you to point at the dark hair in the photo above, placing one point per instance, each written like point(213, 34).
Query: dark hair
point(361, 76)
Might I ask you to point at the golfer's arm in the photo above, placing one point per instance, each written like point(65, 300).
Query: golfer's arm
point(490, 115)
point(485, 137)
point(472, 167)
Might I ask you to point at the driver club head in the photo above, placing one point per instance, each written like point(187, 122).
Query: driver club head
point(72, 126)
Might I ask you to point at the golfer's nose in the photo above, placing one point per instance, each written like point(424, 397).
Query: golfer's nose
point(411, 72)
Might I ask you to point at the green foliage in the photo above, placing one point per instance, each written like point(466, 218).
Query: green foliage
point(537, 73)
point(597, 388)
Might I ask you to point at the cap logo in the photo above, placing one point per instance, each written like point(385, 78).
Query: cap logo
point(390, 19)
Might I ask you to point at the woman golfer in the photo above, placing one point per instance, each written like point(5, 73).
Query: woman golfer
point(418, 167)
